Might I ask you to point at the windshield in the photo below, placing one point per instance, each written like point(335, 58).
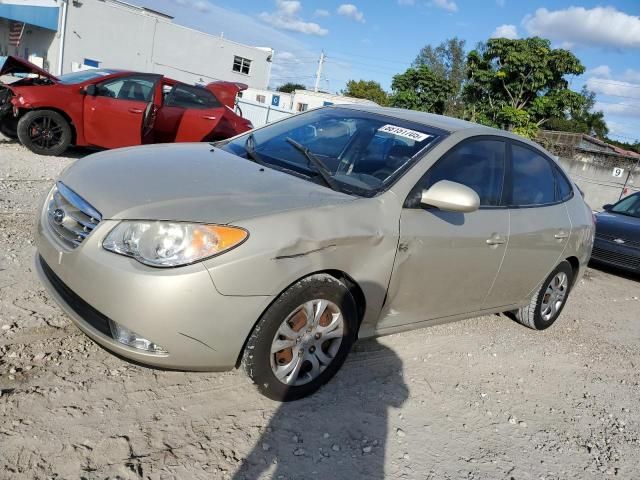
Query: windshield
point(84, 75)
point(629, 206)
point(360, 151)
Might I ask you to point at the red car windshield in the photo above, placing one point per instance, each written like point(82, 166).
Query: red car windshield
point(84, 75)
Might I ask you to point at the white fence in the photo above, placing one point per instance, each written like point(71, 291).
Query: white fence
point(260, 114)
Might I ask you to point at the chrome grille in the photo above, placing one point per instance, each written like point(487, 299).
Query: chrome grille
point(616, 258)
point(70, 217)
point(613, 238)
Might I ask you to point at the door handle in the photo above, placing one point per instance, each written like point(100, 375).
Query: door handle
point(496, 240)
point(561, 235)
point(209, 117)
point(135, 110)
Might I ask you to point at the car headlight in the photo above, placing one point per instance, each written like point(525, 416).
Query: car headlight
point(171, 244)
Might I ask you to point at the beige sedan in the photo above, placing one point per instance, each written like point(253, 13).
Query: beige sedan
point(277, 249)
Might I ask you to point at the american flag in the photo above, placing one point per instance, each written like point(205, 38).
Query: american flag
point(15, 33)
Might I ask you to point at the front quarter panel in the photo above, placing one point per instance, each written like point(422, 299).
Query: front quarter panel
point(359, 238)
point(67, 99)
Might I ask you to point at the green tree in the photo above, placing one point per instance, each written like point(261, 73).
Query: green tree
point(520, 84)
point(367, 89)
point(447, 60)
point(290, 87)
point(581, 118)
point(421, 89)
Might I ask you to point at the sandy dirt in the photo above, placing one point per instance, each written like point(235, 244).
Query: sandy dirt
point(479, 399)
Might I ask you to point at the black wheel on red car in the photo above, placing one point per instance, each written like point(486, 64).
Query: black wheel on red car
point(44, 132)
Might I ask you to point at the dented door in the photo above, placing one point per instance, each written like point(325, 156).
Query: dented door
point(445, 265)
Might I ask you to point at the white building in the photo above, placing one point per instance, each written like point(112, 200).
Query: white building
point(299, 100)
point(65, 35)
point(266, 106)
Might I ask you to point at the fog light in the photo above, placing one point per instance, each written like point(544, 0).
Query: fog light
point(132, 339)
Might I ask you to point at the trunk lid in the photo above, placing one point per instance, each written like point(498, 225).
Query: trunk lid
point(226, 92)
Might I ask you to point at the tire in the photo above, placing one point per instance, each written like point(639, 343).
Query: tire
point(44, 132)
point(311, 355)
point(542, 313)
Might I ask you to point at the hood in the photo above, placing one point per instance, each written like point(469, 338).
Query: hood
point(619, 226)
point(226, 92)
point(13, 65)
point(189, 182)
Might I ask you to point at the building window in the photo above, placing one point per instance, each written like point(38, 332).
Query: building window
point(302, 107)
point(261, 98)
point(241, 65)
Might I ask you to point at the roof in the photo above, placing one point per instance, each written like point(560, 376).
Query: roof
point(587, 143)
point(449, 124)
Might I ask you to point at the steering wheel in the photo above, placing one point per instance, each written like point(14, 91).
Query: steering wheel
point(382, 174)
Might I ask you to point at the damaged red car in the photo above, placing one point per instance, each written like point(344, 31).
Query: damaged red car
point(108, 108)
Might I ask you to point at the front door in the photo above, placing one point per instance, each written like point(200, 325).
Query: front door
point(113, 117)
point(447, 262)
point(540, 226)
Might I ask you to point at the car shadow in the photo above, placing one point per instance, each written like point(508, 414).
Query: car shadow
point(340, 432)
point(619, 272)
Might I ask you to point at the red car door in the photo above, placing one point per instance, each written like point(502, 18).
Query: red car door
point(114, 110)
point(189, 114)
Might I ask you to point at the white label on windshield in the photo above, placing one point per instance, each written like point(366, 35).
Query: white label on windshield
point(404, 132)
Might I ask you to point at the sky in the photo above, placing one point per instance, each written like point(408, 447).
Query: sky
point(376, 39)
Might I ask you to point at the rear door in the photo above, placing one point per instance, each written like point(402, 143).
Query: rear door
point(189, 114)
point(114, 116)
point(539, 225)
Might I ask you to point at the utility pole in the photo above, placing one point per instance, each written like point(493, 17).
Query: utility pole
point(319, 71)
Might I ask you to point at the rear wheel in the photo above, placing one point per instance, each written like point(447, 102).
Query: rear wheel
point(44, 132)
point(302, 339)
point(547, 304)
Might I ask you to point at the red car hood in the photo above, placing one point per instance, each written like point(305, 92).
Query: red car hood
point(13, 65)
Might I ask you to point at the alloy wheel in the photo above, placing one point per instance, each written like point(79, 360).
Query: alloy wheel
point(306, 342)
point(45, 132)
point(554, 296)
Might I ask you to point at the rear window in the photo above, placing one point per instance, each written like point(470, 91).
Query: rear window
point(533, 178)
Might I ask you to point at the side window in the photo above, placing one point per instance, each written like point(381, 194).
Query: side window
point(533, 178)
point(478, 164)
point(186, 96)
point(127, 88)
point(564, 191)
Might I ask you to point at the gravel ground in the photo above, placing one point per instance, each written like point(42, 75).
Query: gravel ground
point(479, 399)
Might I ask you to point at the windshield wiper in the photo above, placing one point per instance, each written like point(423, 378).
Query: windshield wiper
point(321, 168)
point(250, 148)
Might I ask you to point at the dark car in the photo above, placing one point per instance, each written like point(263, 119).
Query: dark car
point(112, 108)
point(617, 241)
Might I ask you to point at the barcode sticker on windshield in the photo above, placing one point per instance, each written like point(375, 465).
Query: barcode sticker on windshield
point(404, 132)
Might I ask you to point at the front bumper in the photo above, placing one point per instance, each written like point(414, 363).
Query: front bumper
point(178, 308)
point(616, 255)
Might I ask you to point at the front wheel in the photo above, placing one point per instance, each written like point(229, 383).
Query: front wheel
point(302, 339)
point(44, 132)
point(547, 304)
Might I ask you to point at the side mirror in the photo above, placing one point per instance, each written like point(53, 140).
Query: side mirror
point(91, 90)
point(451, 196)
point(607, 207)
